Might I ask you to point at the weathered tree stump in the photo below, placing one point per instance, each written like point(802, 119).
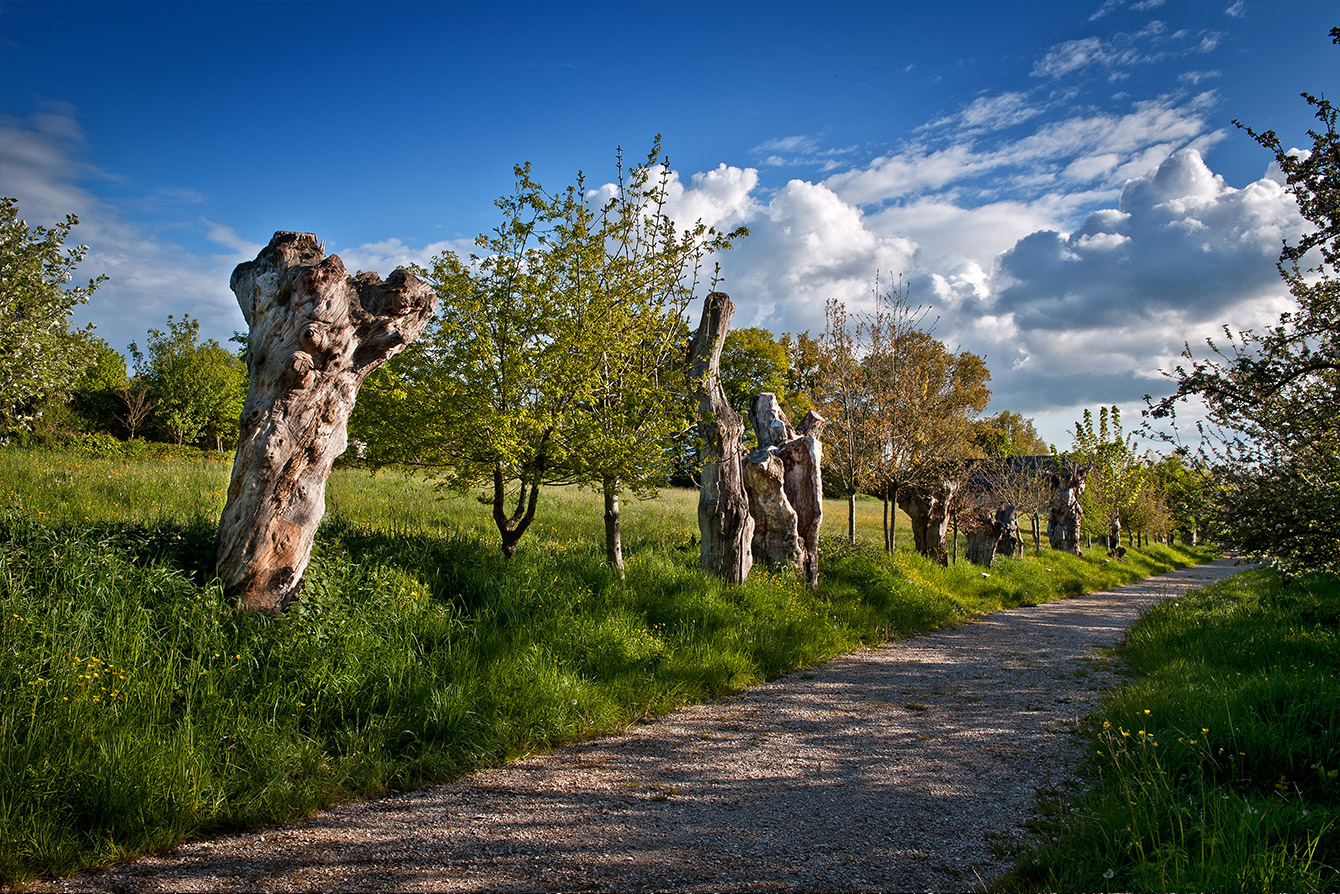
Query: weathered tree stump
point(771, 426)
point(1066, 514)
point(783, 478)
point(928, 508)
point(724, 521)
point(983, 532)
point(775, 542)
point(803, 457)
point(315, 334)
point(1007, 518)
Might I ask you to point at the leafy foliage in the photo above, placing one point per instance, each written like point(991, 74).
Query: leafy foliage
point(1117, 474)
point(553, 356)
point(752, 362)
point(899, 403)
point(1273, 397)
point(197, 388)
point(39, 353)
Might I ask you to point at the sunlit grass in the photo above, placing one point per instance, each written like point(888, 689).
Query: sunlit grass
point(139, 710)
point(1217, 767)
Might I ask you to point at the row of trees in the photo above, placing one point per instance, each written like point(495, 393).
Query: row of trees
point(557, 359)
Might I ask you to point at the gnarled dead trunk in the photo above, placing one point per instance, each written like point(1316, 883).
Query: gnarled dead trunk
point(724, 521)
point(1008, 519)
point(785, 487)
point(775, 542)
point(928, 508)
point(315, 334)
point(803, 457)
point(983, 531)
point(1066, 514)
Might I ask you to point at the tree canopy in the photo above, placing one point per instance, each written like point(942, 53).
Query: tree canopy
point(554, 355)
point(39, 352)
point(197, 388)
point(1273, 396)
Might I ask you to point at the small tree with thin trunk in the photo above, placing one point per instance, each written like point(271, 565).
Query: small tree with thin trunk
point(845, 396)
point(628, 272)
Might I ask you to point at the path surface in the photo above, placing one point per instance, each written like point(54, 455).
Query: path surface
point(892, 769)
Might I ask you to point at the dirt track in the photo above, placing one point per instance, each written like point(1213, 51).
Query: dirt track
point(891, 769)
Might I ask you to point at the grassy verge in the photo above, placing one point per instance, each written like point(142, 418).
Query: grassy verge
point(137, 710)
point(1217, 767)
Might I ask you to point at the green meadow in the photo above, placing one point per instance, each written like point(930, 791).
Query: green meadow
point(139, 710)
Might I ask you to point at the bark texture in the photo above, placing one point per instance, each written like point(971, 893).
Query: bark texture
point(784, 482)
point(783, 479)
point(775, 542)
point(724, 521)
point(1008, 519)
point(315, 333)
point(803, 457)
point(928, 509)
point(982, 530)
point(1066, 514)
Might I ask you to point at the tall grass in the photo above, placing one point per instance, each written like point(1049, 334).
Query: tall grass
point(139, 710)
point(1217, 767)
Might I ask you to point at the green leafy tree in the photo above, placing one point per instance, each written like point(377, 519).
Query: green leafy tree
point(929, 398)
point(845, 396)
point(553, 357)
point(1117, 473)
point(1187, 485)
point(899, 404)
point(803, 371)
point(486, 393)
point(40, 355)
point(96, 394)
point(628, 272)
point(1272, 431)
point(1008, 433)
point(197, 388)
point(753, 361)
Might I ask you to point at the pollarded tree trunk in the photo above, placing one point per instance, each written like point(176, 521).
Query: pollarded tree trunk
point(315, 334)
point(803, 457)
point(929, 513)
point(775, 542)
point(983, 532)
point(783, 479)
point(724, 521)
point(1066, 515)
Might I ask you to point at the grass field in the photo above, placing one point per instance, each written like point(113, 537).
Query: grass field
point(139, 710)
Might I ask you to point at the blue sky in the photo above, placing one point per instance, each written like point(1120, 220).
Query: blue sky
point(1061, 181)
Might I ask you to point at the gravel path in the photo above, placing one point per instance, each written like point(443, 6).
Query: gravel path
point(892, 769)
